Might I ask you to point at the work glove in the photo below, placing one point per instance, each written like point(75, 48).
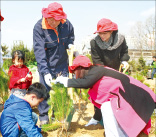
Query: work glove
point(125, 63)
point(48, 79)
point(70, 46)
point(62, 80)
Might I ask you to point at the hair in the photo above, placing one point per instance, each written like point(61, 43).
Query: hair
point(81, 72)
point(19, 54)
point(39, 90)
point(154, 57)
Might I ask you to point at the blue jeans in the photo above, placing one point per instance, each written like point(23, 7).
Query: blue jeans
point(153, 72)
point(34, 118)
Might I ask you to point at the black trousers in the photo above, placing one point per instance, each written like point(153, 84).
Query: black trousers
point(97, 114)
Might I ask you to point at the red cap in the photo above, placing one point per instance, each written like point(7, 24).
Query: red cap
point(54, 10)
point(106, 25)
point(1, 16)
point(80, 61)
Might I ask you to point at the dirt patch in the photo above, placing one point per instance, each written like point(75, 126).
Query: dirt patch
point(77, 127)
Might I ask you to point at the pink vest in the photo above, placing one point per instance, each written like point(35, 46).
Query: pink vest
point(107, 89)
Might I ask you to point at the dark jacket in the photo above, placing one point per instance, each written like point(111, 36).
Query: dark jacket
point(50, 49)
point(110, 56)
point(18, 114)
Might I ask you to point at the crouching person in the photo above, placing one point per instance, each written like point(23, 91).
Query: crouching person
point(17, 119)
point(126, 104)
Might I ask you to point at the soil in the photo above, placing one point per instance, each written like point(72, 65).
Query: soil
point(82, 115)
point(77, 127)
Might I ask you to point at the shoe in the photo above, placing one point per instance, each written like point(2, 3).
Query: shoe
point(43, 123)
point(92, 122)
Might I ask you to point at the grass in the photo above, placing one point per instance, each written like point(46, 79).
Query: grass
point(51, 127)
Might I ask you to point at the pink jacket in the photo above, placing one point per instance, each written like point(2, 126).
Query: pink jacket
point(132, 102)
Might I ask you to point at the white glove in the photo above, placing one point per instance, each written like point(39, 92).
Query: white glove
point(48, 79)
point(70, 46)
point(62, 80)
point(125, 63)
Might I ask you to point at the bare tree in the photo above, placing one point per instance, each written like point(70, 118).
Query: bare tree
point(144, 34)
point(150, 32)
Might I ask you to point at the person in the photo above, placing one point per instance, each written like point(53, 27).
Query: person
point(17, 118)
point(20, 76)
point(108, 48)
point(153, 64)
point(52, 35)
point(1, 52)
point(126, 103)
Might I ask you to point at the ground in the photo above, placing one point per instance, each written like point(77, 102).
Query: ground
point(77, 127)
point(81, 117)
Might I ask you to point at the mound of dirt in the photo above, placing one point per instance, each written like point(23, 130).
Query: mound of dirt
point(77, 126)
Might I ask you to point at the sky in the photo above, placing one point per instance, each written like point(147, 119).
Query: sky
point(21, 16)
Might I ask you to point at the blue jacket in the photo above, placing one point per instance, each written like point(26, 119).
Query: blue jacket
point(50, 49)
point(17, 113)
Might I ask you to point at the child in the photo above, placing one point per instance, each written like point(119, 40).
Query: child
point(153, 66)
point(17, 117)
point(20, 76)
point(126, 104)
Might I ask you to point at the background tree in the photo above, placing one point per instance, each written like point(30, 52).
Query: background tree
point(5, 49)
point(144, 34)
point(19, 46)
point(150, 32)
point(141, 64)
point(29, 54)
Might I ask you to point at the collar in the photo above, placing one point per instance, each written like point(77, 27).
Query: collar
point(18, 67)
point(117, 41)
point(45, 24)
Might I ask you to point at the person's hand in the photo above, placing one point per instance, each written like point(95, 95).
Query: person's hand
point(125, 64)
point(62, 80)
point(22, 80)
point(29, 76)
point(71, 46)
point(48, 79)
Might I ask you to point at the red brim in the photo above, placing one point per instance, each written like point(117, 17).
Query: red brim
point(72, 68)
point(95, 32)
point(2, 18)
point(105, 30)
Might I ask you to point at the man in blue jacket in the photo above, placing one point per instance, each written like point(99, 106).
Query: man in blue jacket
point(52, 35)
point(17, 119)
